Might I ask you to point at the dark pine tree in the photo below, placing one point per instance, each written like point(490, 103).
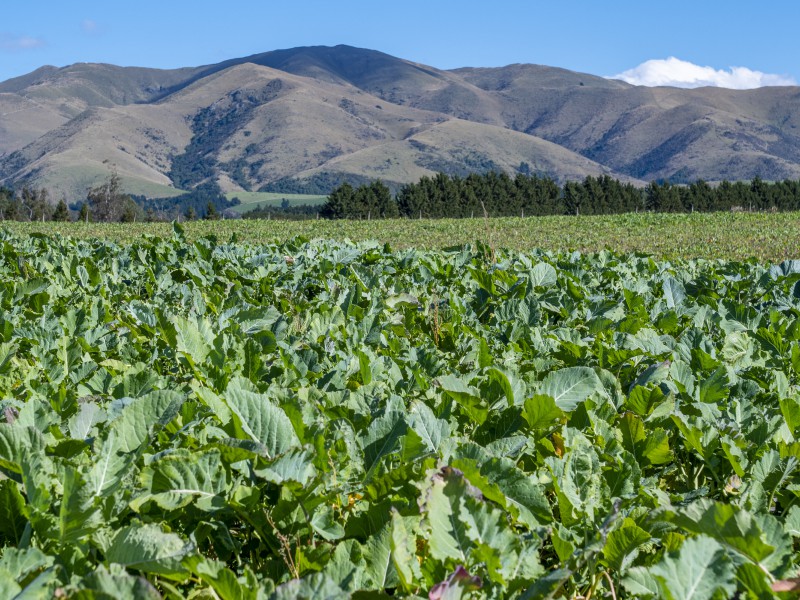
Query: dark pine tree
point(339, 200)
point(61, 211)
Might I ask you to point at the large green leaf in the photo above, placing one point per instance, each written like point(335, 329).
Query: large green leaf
point(380, 568)
point(346, 566)
point(112, 463)
point(431, 430)
point(324, 523)
point(715, 387)
point(381, 439)
point(13, 513)
point(181, 478)
point(39, 588)
point(541, 412)
point(738, 349)
point(78, 514)
point(258, 419)
point(524, 497)
point(640, 582)
point(579, 482)
point(194, 338)
point(547, 587)
point(447, 533)
point(467, 397)
point(494, 543)
point(698, 571)
point(790, 408)
point(80, 425)
point(571, 386)
point(295, 465)
point(9, 588)
point(16, 443)
point(137, 419)
point(403, 545)
point(674, 292)
point(622, 546)
point(311, 587)
point(224, 581)
point(149, 549)
point(733, 527)
point(543, 275)
point(115, 583)
point(24, 563)
point(128, 434)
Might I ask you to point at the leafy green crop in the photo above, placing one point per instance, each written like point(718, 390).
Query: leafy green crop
point(333, 420)
point(764, 236)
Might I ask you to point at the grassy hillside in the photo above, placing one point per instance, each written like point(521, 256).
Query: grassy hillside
point(73, 182)
point(350, 113)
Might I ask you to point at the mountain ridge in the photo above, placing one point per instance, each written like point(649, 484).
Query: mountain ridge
point(345, 113)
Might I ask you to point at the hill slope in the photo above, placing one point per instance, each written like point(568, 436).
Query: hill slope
point(322, 115)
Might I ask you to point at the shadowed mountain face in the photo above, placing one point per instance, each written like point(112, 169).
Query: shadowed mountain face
point(320, 115)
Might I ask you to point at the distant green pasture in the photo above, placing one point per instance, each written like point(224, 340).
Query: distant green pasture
point(253, 200)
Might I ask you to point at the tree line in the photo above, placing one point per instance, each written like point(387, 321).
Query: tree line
point(498, 194)
point(31, 205)
point(107, 202)
point(492, 193)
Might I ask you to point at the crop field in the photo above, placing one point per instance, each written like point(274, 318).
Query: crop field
point(769, 237)
point(185, 416)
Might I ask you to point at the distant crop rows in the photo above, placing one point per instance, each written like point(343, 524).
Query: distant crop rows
point(764, 236)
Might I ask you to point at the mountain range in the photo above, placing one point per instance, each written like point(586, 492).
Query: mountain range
point(307, 118)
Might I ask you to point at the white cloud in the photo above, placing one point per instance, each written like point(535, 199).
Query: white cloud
point(89, 25)
point(15, 43)
point(680, 73)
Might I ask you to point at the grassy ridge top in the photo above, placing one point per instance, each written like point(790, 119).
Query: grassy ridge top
point(739, 236)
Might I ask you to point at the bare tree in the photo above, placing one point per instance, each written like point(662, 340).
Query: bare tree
point(34, 203)
point(108, 202)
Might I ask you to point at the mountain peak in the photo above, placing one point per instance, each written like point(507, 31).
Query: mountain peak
point(323, 113)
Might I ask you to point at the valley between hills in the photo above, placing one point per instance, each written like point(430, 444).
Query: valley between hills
point(307, 119)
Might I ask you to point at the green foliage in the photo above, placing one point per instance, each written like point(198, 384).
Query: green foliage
point(365, 202)
point(206, 199)
point(212, 128)
point(740, 236)
point(107, 201)
point(496, 194)
point(211, 212)
point(9, 209)
point(61, 211)
point(83, 213)
point(28, 205)
point(318, 419)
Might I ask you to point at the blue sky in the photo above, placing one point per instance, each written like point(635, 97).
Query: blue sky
point(604, 37)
